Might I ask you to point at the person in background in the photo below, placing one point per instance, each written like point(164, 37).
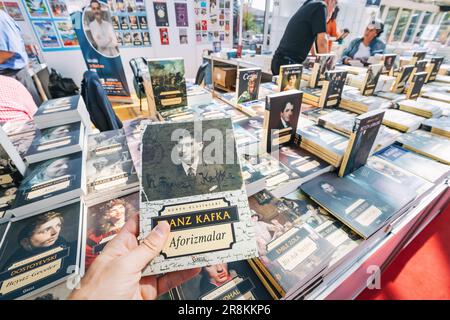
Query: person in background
point(13, 57)
point(332, 30)
point(306, 27)
point(364, 47)
point(16, 102)
point(343, 35)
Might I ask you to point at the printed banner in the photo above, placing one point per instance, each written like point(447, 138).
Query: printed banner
point(130, 23)
point(100, 47)
point(51, 23)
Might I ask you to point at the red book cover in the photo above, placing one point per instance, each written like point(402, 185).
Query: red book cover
point(164, 35)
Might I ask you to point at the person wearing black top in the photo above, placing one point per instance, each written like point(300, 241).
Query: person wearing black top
point(306, 25)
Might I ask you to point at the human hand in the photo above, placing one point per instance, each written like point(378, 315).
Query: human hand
point(116, 273)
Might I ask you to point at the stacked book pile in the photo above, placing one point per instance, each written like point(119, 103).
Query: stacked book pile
point(419, 108)
point(403, 121)
point(355, 102)
point(325, 144)
point(440, 126)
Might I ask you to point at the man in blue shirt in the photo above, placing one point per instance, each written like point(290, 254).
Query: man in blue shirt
point(366, 46)
point(16, 66)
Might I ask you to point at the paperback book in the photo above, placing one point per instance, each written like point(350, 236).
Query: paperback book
point(291, 253)
point(191, 178)
point(424, 167)
point(402, 79)
point(34, 258)
point(371, 79)
point(110, 171)
point(324, 62)
point(247, 84)
point(415, 87)
point(280, 119)
point(435, 65)
point(330, 93)
point(403, 121)
point(48, 183)
point(225, 281)
point(57, 112)
point(364, 200)
point(361, 141)
point(168, 85)
point(422, 109)
point(103, 221)
point(440, 126)
point(56, 142)
point(290, 77)
point(428, 144)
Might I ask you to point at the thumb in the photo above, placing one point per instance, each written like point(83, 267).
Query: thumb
point(150, 247)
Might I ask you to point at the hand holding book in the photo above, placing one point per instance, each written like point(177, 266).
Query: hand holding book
point(116, 273)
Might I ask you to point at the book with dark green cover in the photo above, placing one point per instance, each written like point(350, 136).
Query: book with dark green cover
point(361, 141)
point(168, 83)
point(224, 281)
point(364, 200)
point(247, 84)
point(424, 167)
point(426, 143)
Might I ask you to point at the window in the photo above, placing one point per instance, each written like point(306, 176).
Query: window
point(444, 29)
point(425, 20)
point(401, 25)
point(253, 16)
point(412, 27)
point(389, 22)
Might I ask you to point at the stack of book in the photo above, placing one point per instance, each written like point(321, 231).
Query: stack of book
point(365, 200)
point(21, 134)
point(354, 101)
point(110, 171)
point(329, 95)
point(403, 121)
point(197, 95)
point(386, 136)
point(62, 111)
point(38, 249)
point(323, 143)
point(226, 281)
point(428, 144)
point(52, 182)
point(445, 107)
point(292, 256)
point(419, 108)
point(56, 142)
point(10, 173)
point(338, 121)
point(440, 126)
point(424, 167)
point(439, 96)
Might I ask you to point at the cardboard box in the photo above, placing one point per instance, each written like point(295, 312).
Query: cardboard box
point(225, 77)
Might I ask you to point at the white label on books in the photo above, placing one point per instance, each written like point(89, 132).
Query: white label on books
point(337, 237)
point(297, 254)
point(355, 205)
point(108, 149)
point(277, 179)
point(368, 216)
point(50, 186)
point(56, 109)
point(308, 166)
point(54, 144)
point(111, 181)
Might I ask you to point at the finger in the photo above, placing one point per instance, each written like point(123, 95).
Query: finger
point(174, 279)
point(149, 290)
point(152, 245)
point(132, 225)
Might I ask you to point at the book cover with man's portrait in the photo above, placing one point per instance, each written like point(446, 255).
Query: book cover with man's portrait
point(191, 178)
